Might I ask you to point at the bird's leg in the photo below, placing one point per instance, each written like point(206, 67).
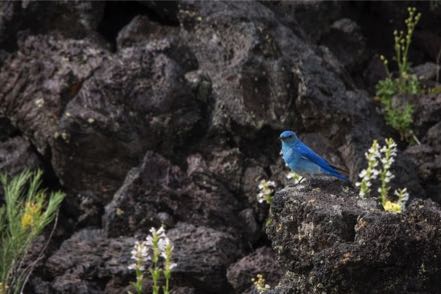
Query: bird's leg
point(297, 182)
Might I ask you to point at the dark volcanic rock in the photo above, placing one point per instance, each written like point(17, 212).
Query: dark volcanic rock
point(39, 80)
point(159, 192)
point(89, 254)
point(89, 262)
point(427, 111)
point(347, 42)
point(142, 30)
point(136, 100)
point(92, 111)
point(262, 261)
point(203, 255)
point(329, 240)
point(17, 155)
point(272, 79)
point(73, 19)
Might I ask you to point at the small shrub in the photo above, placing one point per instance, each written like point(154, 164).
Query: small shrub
point(386, 156)
point(26, 212)
point(400, 115)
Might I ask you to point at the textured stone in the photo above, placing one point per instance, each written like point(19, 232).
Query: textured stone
point(329, 240)
point(262, 261)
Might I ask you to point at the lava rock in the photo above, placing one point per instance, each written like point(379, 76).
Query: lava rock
point(87, 261)
point(157, 187)
point(17, 155)
point(203, 255)
point(347, 42)
point(135, 101)
point(427, 111)
point(262, 261)
point(39, 80)
point(75, 20)
point(328, 240)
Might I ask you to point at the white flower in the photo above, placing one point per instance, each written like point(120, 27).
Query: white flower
point(266, 190)
point(149, 241)
point(162, 245)
point(140, 255)
point(363, 173)
point(173, 265)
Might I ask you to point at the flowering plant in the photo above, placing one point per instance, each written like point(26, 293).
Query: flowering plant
point(156, 246)
point(386, 156)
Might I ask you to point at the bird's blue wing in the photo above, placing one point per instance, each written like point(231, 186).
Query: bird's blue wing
point(306, 153)
point(310, 155)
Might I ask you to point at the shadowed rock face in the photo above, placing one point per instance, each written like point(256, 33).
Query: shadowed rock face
point(328, 240)
point(157, 112)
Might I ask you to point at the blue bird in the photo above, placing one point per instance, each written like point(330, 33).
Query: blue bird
point(302, 160)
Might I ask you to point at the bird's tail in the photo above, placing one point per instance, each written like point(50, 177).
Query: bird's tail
point(339, 173)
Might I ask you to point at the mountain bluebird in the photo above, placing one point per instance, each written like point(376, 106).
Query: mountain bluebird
point(302, 160)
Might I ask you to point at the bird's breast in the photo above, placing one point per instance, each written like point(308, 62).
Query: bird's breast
point(289, 156)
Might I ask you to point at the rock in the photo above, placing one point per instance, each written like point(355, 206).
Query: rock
point(7, 130)
point(374, 72)
point(427, 71)
point(251, 227)
point(17, 155)
point(314, 18)
point(142, 30)
point(87, 261)
point(166, 10)
point(71, 19)
point(427, 109)
point(262, 261)
point(203, 255)
point(256, 82)
point(119, 113)
point(347, 42)
point(157, 187)
point(427, 158)
point(70, 109)
point(39, 80)
point(328, 240)
point(183, 290)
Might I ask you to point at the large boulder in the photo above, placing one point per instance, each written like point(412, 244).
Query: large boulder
point(89, 262)
point(329, 240)
point(158, 192)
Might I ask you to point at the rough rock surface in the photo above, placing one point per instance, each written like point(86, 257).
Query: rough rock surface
point(262, 261)
point(329, 240)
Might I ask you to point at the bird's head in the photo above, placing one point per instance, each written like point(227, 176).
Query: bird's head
point(288, 137)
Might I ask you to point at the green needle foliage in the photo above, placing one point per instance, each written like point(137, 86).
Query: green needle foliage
point(400, 115)
point(26, 211)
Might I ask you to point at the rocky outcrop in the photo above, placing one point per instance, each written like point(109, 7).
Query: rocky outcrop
point(327, 239)
point(168, 113)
